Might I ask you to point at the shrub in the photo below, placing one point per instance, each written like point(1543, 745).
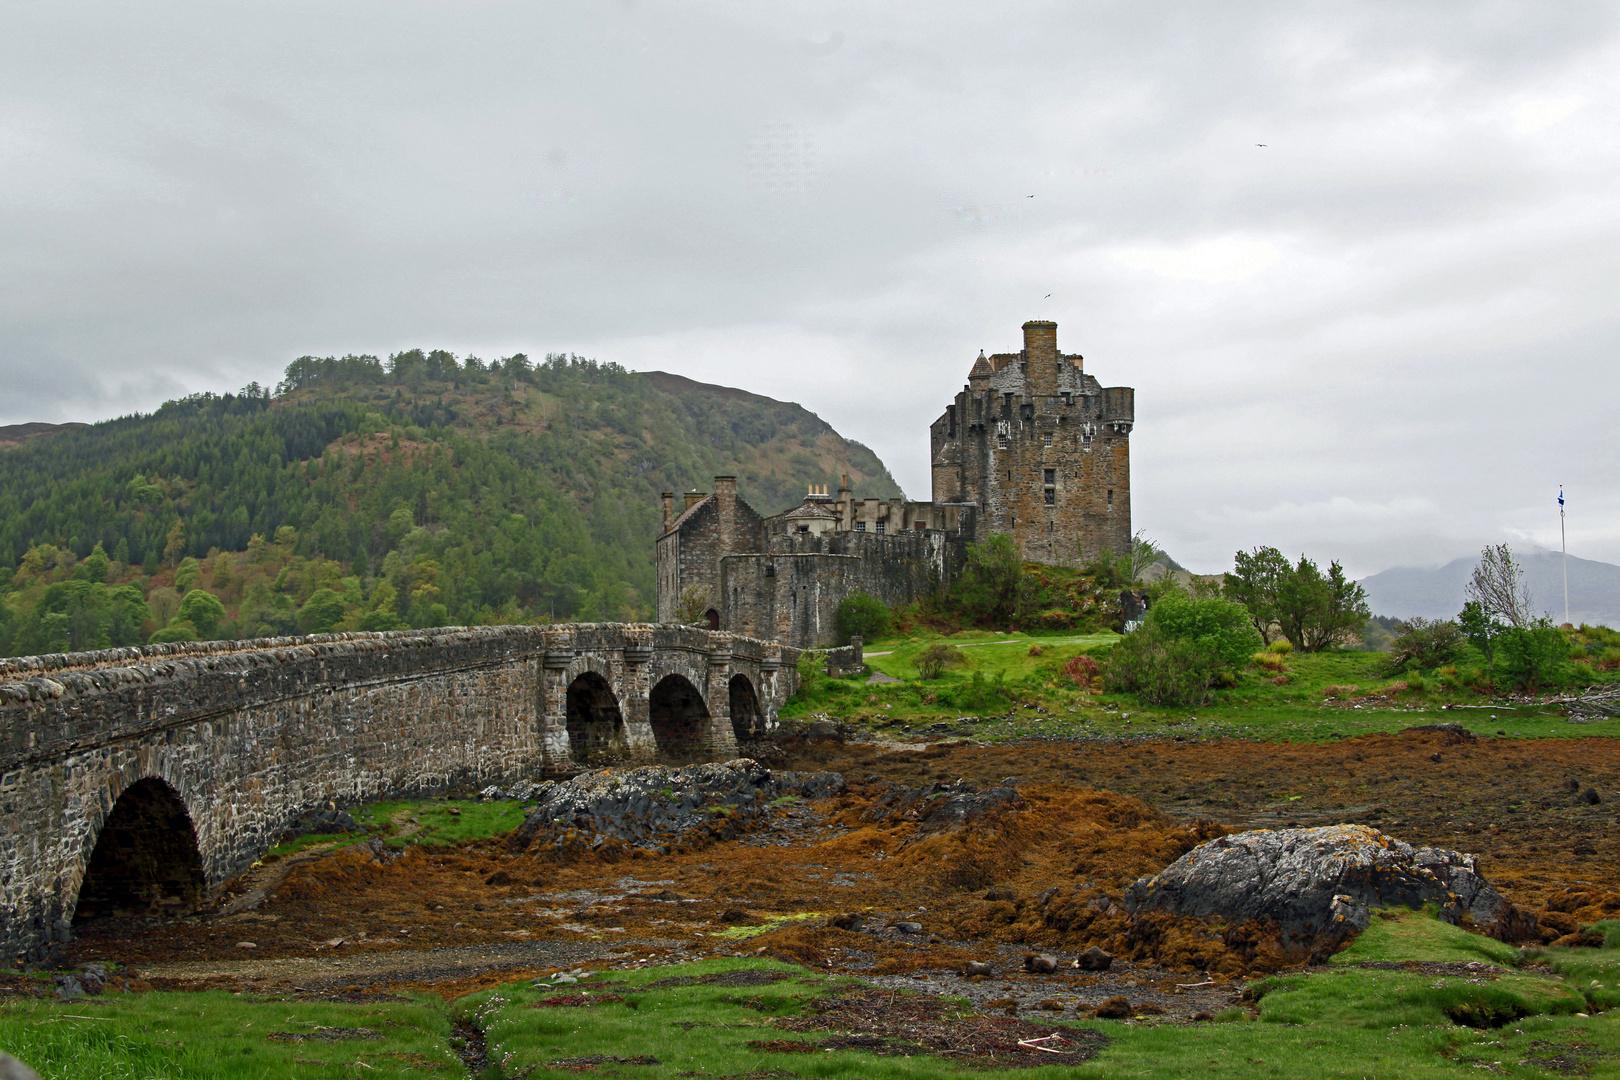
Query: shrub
point(863, 614)
point(1160, 669)
point(932, 661)
point(1341, 693)
point(1609, 659)
point(1082, 669)
point(1035, 650)
point(1425, 643)
point(1533, 658)
point(178, 630)
point(1282, 646)
point(1219, 627)
point(1267, 659)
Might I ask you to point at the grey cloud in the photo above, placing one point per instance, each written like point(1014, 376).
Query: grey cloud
point(828, 202)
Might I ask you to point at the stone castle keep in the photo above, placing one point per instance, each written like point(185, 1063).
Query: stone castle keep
point(1032, 447)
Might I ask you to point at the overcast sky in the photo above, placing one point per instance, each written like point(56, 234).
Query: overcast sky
point(1386, 336)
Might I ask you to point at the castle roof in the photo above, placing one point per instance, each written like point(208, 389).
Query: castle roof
point(811, 510)
point(981, 367)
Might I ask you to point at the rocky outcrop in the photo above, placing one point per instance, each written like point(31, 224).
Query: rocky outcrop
point(656, 806)
point(1320, 886)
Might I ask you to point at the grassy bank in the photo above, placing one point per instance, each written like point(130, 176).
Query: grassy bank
point(1016, 685)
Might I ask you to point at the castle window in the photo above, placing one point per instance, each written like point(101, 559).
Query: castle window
point(770, 570)
point(880, 527)
point(860, 526)
point(1048, 476)
point(804, 528)
point(1068, 398)
point(1006, 404)
point(1051, 496)
point(1048, 438)
point(1001, 442)
point(1110, 498)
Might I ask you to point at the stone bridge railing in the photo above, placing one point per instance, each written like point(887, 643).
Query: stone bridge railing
point(146, 778)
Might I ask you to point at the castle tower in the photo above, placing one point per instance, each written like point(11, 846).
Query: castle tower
point(1042, 450)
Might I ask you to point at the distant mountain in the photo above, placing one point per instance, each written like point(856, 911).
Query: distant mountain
point(1594, 589)
point(17, 434)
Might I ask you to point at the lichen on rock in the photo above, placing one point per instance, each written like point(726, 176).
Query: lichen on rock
point(1320, 886)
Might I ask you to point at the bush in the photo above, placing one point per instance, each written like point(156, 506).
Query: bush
point(1533, 658)
point(1425, 643)
point(932, 661)
point(1282, 646)
point(1082, 669)
point(178, 630)
point(322, 611)
point(1160, 669)
point(1219, 627)
point(1270, 661)
point(864, 615)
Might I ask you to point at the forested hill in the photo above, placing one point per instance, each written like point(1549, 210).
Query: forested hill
point(419, 491)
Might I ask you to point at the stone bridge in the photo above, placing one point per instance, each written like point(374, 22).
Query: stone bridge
point(141, 780)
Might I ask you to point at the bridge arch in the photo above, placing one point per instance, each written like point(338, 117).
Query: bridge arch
point(747, 719)
point(679, 718)
point(146, 859)
point(595, 722)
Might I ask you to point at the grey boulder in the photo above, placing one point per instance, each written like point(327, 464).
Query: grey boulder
point(1320, 886)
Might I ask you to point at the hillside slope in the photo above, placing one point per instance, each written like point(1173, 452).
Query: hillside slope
point(477, 492)
point(1594, 589)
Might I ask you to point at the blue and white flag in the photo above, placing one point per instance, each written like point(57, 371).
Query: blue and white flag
point(1560, 496)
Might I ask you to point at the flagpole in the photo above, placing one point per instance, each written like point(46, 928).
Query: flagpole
point(1563, 542)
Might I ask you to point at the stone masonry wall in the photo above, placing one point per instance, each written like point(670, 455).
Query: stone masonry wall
point(250, 735)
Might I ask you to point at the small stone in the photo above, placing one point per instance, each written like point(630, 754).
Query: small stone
point(246, 945)
point(12, 1069)
point(1094, 959)
point(733, 915)
point(1040, 963)
point(67, 986)
point(848, 920)
point(909, 927)
point(977, 968)
point(1591, 797)
point(564, 980)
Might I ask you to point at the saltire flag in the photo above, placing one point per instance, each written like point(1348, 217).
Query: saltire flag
point(1560, 496)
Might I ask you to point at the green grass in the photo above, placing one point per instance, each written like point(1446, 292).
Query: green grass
point(1002, 693)
point(435, 824)
point(1402, 934)
point(1344, 1023)
point(219, 1036)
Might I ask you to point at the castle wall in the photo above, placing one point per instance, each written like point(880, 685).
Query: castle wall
point(1043, 450)
point(792, 592)
point(689, 553)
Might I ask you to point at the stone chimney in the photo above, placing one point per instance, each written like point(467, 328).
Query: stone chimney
point(694, 497)
point(669, 509)
point(1040, 352)
point(725, 501)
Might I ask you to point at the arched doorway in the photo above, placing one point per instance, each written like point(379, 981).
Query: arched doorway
point(595, 725)
point(145, 861)
point(712, 619)
point(679, 718)
point(747, 722)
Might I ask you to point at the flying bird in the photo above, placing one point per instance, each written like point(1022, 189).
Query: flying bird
point(1048, 296)
point(1260, 144)
point(1029, 196)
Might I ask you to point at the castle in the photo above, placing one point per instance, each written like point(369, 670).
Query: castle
point(1032, 447)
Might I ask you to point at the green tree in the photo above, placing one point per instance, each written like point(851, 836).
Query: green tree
point(862, 614)
point(185, 575)
point(321, 612)
point(174, 544)
point(1317, 610)
point(1482, 632)
point(1256, 581)
point(179, 630)
point(95, 565)
point(203, 610)
point(988, 589)
point(1425, 643)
